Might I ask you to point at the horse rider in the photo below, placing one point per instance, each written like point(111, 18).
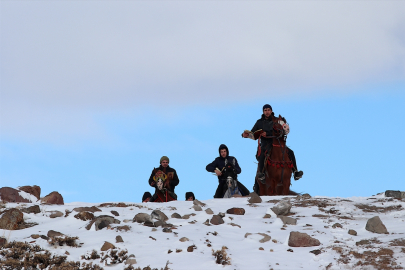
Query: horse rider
point(265, 123)
point(172, 178)
point(218, 164)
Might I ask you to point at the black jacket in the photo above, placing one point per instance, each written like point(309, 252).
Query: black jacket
point(219, 163)
point(265, 125)
point(171, 177)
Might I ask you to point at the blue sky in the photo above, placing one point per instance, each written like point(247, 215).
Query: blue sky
point(93, 94)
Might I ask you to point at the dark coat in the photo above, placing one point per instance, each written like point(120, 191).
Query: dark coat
point(171, 177)
point(165, 196)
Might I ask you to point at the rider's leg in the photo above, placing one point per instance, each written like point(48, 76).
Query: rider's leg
point(297, 174)
point(265, 147)
point(219, 193)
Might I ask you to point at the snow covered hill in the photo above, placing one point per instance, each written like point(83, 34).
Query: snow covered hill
point(258, 239)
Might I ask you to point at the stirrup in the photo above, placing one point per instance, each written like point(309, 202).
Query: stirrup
point(298, 175)
point(261, 177)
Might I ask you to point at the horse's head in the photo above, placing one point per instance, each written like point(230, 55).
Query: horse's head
point(231, 183)
point(160, 179)
point(280, 126)
point(229, 169)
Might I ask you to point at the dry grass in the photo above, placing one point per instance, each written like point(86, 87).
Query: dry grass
point(221, 257)
point(373, 208)
point(114, 256)
point(67, 240)
point(92, 256)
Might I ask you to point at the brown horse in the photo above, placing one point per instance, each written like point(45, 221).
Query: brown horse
point(278, 166)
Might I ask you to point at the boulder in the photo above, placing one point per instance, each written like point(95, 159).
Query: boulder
point(12, 219)
point(298, 239)
point(352, 232)
point(9, 194)
point(175, 215)
point(282, 208)
point(53, 198)
point(3, 241)
point(337, 225)
point(131, 260)
point(393, 193)
point(88, 209)
point(197, 202)
point(254, 198)
point(102, 221)
point(107, 246)
point(267, 216)
point(33, 190)
point(55, 214)
point(183, 239)
point(197, 208)
point(85, 216)
point(118, 239)
point(216, 220)
point(115, 213)
point(142, 217)
point(52, 233)
point(375, 225)
point(32, 209)
point(209, 211)
point(236, 211)
point(288, 220)
point(159, 215)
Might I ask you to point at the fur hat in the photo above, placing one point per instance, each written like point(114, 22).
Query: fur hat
point(164, 158)
point(146, 195)
point(267, 106)
point(190, 194)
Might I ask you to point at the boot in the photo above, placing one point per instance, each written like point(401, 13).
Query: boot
point(298, 175)
point(261, 177)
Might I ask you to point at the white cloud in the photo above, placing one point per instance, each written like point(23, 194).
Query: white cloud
point(66, 57)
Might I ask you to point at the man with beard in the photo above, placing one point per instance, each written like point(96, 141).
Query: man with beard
point(217, 167)
point(172, 178)
point(265, 124)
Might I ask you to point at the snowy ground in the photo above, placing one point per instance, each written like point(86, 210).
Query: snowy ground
point(315, 217)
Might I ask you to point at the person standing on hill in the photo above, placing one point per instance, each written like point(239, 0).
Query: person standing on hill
point(172, 178)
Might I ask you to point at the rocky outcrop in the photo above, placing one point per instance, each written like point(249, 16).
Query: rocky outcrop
point(53, 198)
point(88, 209)
point(107, 246)
point(282, 208)
point(393, 194)
point(101, 222)
point(375, 225)
point(216, 220)
point(298, 239)
point(254, 198)
point(12, 219)
point(52, 233)
point(236, 211)
point(142, 217)
point(288, 220)
point(84, 216)
point(9, 194)
point(32, 209)
point(33, 190)
point(159, 215)
point(55, 214)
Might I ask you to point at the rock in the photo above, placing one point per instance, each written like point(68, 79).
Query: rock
point(32, 209)
point(118, 239)
point(221, 214)
point(352, 232)
point(175, 215)
point(53, 198)
point(142, 217)
point(197, 208)
point(130, 261)
point(403, 194)
point(236, 211)
point(375, 225)
point(216, 220)
point(8, 194)
point(167, 230)
point(102, 221)
point(288, 220)
point(3, 241)
point(337, 225)
point(267, 216)
point(265, 238)
point(191, 248)
point(393, 193)
point(55, 214)
point(158, 223)
point(52, 233)
point(115, 213)
point(316, 251)
point(183, 239)
point(33, 190)
point(12, 219)
point(107, 246)
point(282, 208)
point(254, 198)
point(298, 239)
point(159, 215)
point(306, 196)
point(209, 211)
point(35, 236)
point(197, 202)
point(44, 237)
point(84, 216)
point(87, 209)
